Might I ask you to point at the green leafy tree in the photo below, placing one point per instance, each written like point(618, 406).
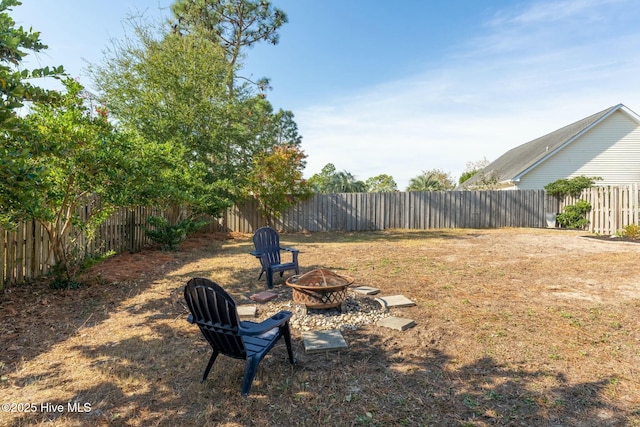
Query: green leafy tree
point(431, 180)
point(570, 186)
point(381, 184)
point(170, 90)
point(74, 156)
point(276, 180)
point(16, 91)
point(178, 82)
point(235, 25)
point(15, 88)
point(320, 181)
point(466, 175)
point(345, 182)
point(330, 181)
point(284, 129)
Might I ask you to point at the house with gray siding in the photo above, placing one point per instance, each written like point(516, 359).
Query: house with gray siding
point(605, 144)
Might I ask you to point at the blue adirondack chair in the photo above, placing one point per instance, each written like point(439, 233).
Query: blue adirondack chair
point(267, 249)
point(214, 311)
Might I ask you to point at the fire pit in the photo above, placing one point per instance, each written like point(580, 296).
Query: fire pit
point(319, 289)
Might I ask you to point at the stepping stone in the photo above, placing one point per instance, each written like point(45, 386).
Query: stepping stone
point(317, 341)
point(365, 290)
point(397, 323)
point(247, 310)
point(395, 301)
point(263, 296)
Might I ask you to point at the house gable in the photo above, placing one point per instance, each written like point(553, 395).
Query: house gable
point(610, 150)
point(526, 166)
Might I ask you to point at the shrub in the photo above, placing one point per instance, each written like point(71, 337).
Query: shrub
point(572, 186)
point(632, 231)
point(170, 236)
point(575, 216)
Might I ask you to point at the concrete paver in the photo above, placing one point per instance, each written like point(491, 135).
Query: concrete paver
point(317, 341)
point(395, 301)
point(397, 323)
point(366, 290)
point(247, 310)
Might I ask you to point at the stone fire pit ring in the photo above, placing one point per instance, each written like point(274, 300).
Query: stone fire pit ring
point(319, 289)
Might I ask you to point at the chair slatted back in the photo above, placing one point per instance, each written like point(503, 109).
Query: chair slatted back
point(267, 241)
point(214, 311)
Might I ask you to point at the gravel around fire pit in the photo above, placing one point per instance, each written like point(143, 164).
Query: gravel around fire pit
point(361, 310)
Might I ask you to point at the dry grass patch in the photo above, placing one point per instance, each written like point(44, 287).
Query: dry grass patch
point(513, 327)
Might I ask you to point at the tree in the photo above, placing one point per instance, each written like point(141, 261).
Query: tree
point(320, 181)
point(570, 186)
point(471, 169)
point(285, 129)
point(345, 182)
point(328, 181)
point(177, 82)
point(431, 180)
point(15, 88)
point(74, 155)
point(169, 89)
point(381, 183)
point(236, 25)
point(276, 180)
point(484, 181)
point(16, 91)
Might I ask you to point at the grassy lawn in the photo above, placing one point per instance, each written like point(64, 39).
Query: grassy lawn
point(513, 327)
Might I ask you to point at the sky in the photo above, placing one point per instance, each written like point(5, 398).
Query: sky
point(402, 87)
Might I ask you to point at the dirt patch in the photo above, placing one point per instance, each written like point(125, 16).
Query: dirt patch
point(513, 327)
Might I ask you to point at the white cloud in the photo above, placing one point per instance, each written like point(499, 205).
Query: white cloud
point(553, 12)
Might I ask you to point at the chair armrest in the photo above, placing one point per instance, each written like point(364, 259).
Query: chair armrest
point(257, 254)
point(294, 253)
point(190, 319)
point(277, 320)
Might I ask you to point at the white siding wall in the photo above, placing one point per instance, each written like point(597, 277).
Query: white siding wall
point(610, 150)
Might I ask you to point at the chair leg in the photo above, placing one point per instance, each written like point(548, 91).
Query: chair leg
point(269, 278)
point(286, 332)
point(250, 369)
point(209, 365)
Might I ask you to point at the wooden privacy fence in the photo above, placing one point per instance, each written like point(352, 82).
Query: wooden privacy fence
point(612, 208)
point(412, 210)
point(24, 251)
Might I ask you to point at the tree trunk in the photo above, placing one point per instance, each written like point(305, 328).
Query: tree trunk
point(57, 249)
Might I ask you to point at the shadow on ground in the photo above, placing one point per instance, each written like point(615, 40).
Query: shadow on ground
point(148, 373)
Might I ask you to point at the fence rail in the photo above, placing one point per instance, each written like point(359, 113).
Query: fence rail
point(25, 251)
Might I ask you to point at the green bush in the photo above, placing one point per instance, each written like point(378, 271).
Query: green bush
point(170, 236)
point(572, 186)
point(575, 216)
